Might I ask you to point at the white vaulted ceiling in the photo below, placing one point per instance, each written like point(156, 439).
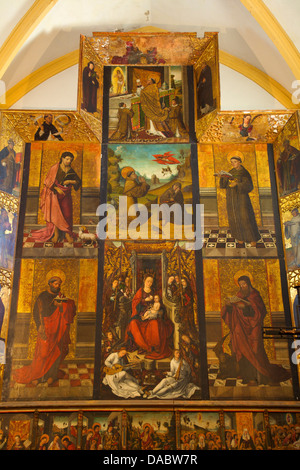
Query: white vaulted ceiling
point(258, 41)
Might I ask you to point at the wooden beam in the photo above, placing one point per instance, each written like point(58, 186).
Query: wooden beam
point(22, 31)
point(260, 78)
point(276, 33)
point(62, 63)
point(37, 77)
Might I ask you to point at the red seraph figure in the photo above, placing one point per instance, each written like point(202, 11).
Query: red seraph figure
point(166, 159)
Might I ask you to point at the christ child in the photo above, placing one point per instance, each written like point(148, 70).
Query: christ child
point(154, 310)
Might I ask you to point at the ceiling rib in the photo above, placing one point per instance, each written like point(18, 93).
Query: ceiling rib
point(276, 33)
point(22, 31)
point(62, 63)
point(254, 74)
point(37, 77)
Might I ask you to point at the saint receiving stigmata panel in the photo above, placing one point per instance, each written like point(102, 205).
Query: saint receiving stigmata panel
point(142, 179)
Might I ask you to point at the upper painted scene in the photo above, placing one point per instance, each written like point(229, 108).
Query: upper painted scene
point(148, 104)
point(147, 87)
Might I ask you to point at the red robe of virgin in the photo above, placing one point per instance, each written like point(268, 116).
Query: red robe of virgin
point(50, 352)
point(152, 336)
point(246, 335)
point(57, 208)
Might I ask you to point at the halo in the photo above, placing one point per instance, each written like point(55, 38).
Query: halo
point(117, 68)
point(56, 273)
point(45, 436)
point(125, 171)
point(149, 426)
point(96, 424)
point(115, 75)
point(235, 153)
point(63, 119)
point(242, 272)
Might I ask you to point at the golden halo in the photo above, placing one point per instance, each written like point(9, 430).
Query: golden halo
point(116, 69)
point(235, 153)
point(149, 426)
point(63, 120)
point(242, 272)
point(115, 75)
point(125, 171)
point(56, 273)
point(96, 424)
point(45, 436)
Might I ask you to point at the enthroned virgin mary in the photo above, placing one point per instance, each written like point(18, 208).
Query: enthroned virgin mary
point(150, 336)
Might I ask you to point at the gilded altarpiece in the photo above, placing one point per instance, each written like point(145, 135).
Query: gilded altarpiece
point(143, 321)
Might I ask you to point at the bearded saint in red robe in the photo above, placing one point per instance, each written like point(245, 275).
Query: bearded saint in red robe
point(245, 318)
point(56, 201)
point(53, 318)
point(151, 336)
